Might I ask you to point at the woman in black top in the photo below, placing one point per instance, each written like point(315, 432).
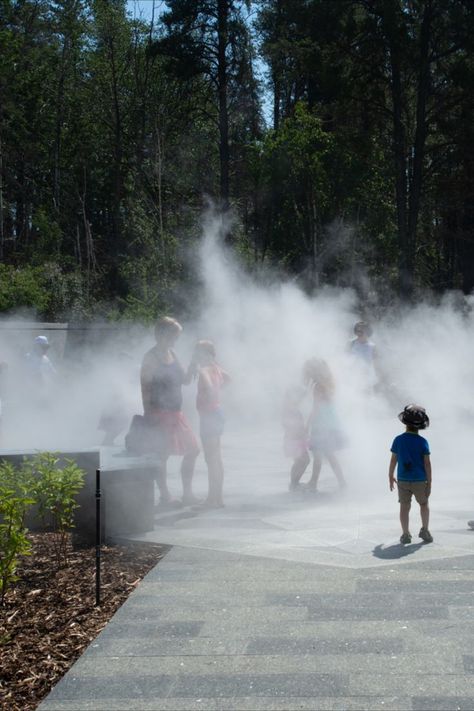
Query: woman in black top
point(162, 377)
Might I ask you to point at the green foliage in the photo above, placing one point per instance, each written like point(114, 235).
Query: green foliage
point(55, 489)
point(294, 165)
point(15, 500)
point(48, 236)
point(299, 154)
point(114, 129)
point(53, 292)
point(21, 287)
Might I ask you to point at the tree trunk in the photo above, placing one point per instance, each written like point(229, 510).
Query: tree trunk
point(117, 168)
point(420, 135)
point(316, 276)
point(58, 129)
point(222, 30)
point(391, 29)
point(276, 99)
point(2, 233)
point(159, 180)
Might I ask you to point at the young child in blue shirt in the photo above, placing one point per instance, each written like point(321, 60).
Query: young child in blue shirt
point(411, 456)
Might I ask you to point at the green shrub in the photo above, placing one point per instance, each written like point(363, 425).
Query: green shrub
point(22, 287)
point(54, 291)
point(55, 489)
point(15, 500)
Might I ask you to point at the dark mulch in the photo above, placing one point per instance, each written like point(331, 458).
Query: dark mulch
point(50, 617)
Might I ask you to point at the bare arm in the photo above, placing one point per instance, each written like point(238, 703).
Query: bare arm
point(145, 383)
point(427, 464)
point(225, 377)
point(391, 471)
point(190, 373)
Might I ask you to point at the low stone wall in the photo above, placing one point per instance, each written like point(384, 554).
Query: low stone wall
point(127, 493)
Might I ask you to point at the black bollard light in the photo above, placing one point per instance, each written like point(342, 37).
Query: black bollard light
point(97, 537)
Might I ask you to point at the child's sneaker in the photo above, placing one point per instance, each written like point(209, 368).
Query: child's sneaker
point(405, 538)
point(425, 535)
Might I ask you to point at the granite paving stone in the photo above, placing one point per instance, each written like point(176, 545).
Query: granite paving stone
point(413, 684)
point(261, 703)
point(152, 628)
point(443, 703)
point(269, 685)
point(468, 661)
point(278, 663)
point(337, 599)
point(164, 647)
point(316, 645)
point(417, 586)
point(147, 629)
point(328, 612)
point(142, 612)
point(461, 613)
point(132, 686)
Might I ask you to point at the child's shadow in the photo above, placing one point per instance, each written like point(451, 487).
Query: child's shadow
point(396, 551)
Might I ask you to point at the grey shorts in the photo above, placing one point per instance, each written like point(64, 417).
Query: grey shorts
point(418, 489)
point(211, 424)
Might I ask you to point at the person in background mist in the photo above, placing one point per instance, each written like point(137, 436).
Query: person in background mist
point(210, 380)
point(325, 432)
point(40, 371)
point(411, 456)
point(162, 377)
point(295, 438)
point(364, 352)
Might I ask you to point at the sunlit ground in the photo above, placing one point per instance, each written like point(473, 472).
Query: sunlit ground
point(356, 528)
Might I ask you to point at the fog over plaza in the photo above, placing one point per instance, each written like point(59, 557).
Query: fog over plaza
point(264, 330)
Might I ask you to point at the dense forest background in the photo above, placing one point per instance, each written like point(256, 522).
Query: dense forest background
point(117, 132)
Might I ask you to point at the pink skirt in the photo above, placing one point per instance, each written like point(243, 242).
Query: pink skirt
point(294, 447)
point(295, 440)
point(174, 433)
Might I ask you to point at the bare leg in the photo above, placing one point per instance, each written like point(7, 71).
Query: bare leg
point(298, 469)
point(215, 469)
point(161, 480)
point(404, 516)
point(425, 515)
point(337, 469)
point(317, 461)
point(187, 471)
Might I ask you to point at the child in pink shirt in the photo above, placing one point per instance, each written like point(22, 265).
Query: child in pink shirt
point(210, 379)
point(295, 442)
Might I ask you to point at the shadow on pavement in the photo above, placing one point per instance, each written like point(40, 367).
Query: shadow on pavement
point(396, 551)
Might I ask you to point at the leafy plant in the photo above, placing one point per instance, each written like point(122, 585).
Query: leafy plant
point(15, 500)
point(55, 489)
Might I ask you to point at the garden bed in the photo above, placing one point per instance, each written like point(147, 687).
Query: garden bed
point(49, 616)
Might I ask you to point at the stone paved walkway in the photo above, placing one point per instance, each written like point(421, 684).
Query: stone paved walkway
point(284, 602)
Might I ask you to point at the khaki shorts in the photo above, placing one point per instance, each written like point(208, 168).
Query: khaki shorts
point(407, 489)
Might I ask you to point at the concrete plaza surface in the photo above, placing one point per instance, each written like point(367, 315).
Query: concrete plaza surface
point(285, 601)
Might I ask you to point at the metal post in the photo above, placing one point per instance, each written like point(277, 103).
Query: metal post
point(97, 537)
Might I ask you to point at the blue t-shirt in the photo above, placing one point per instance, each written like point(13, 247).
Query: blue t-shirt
point(410, 449)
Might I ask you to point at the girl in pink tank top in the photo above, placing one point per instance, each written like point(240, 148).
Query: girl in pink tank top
point(210, 379)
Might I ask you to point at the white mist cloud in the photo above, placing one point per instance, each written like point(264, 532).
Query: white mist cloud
point(263, 332)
